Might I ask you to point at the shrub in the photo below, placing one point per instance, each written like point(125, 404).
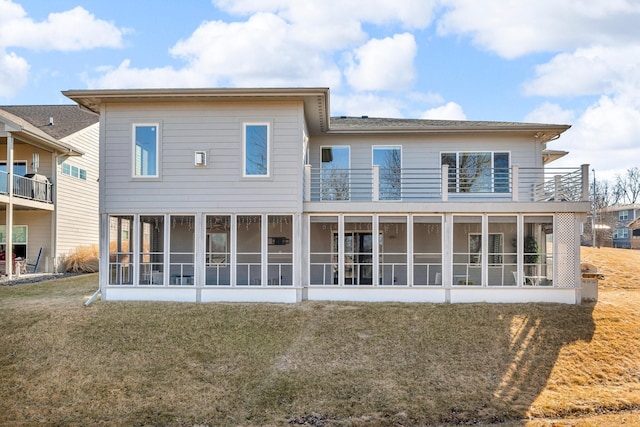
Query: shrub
point(84, 259)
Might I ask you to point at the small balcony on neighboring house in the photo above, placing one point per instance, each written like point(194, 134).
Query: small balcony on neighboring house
point(447, 184)
point(28, 188)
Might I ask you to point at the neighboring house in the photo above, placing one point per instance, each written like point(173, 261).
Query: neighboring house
point(618, 218)
point(51, 151)
point(258, 195)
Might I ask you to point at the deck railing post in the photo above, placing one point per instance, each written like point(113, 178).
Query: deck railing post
point(376, 183)
point(307, 183)
point(585, 182)
point(444, 183)
point(557, 183)
point(515, 185)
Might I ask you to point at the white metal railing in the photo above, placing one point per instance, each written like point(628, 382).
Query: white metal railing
point(27, 187)
point(443, 184)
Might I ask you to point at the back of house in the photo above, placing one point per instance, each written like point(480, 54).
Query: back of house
point(260, 195)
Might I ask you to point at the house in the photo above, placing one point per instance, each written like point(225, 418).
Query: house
point(618, 218)
point(260, 195)
point(48, 183)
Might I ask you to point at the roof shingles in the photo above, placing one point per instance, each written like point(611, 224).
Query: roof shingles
point(67, 119)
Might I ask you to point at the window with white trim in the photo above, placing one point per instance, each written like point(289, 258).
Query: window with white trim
point(477, 172)
point(74, 171)
point(621, 233)
point(623, 215)
point(145, 150)
point(255, 146)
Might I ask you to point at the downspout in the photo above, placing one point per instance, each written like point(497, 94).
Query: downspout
point(92, 298)
point(8, 246)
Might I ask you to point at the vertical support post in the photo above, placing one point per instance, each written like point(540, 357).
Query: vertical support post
point(515, 183)
point(307, 183)
point(444, 183)
point(585, 182)
point(557, 182)
point(376, 183)
point(8, 247)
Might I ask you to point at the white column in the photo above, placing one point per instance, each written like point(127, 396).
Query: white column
point(307, 183)
point(375, 196)
point(444, 186)
point(515, 183)
point(8, 251)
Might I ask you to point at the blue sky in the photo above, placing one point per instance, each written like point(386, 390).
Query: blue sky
point(555, 61)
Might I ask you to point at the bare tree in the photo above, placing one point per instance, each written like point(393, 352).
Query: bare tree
point(627, 187)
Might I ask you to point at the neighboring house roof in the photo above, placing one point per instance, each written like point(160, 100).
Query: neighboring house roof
point(37, 134)
point(618, 208)
point(635, 224)
point(57, 121)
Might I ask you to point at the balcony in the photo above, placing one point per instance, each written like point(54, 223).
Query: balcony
point(513, 184)
point(32, 187)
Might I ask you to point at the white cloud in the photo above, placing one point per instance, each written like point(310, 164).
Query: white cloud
point(13, 73)
point(587, 71)
point(513, 29)
point(410, 14)
point(365, 104)
point(385, 64)
point(72, 30)
point(550, 113)
point(449, 111)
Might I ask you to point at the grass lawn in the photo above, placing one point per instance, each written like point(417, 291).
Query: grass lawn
point(331, 364)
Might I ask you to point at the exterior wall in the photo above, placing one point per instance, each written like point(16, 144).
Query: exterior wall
point(76, 199)
point(419, 152)
point(38, 236)
point(215, 128)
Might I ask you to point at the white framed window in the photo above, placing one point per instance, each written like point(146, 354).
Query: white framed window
point(389, 161)
point(19, 239)
point(256, 150)
point(478, 172)
point(621, 233)
point(335, 172)
point(623, 215)
point(74, 171)
point(146, 150)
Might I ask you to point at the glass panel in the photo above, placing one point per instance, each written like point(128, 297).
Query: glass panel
point(503, 240)
point(182, 250)
point(393, 250)
point(256, 150)
point(467, 250)
point(474, 172)
point(358, 251)
point(538, 251)
point(146, 150)
point(335, 173)
point(280, 239)
point(152, 250)
point(217, 254)
point(120, 250)
point(389, 160)
point(427, 250)
point(249, 264)
point(501, 172)
point(323, 257)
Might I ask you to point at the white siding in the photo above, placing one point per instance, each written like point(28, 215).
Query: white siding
point(217, 187)
point(76, 199)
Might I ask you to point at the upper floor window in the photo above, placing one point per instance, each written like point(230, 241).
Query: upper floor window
point(623, 215)
point(256, 149)
point(389, 162)
point(335, 175)
point(74, 171)
point(477, 172)
point(145, 150)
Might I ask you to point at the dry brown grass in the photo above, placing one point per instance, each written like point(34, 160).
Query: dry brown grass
point(321, 363)
point(84, 259)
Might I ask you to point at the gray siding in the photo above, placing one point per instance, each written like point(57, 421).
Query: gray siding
point(76, 199)
point(217, 187)
point(424, 152)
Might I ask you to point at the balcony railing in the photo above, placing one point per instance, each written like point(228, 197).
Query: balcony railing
point(31, 188)
point(443, 184)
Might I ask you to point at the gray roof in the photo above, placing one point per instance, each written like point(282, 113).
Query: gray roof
point(374, 124)
point(67, 119)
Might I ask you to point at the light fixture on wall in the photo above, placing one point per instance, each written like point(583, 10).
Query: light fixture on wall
point(35, 162)
point(200, 158)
